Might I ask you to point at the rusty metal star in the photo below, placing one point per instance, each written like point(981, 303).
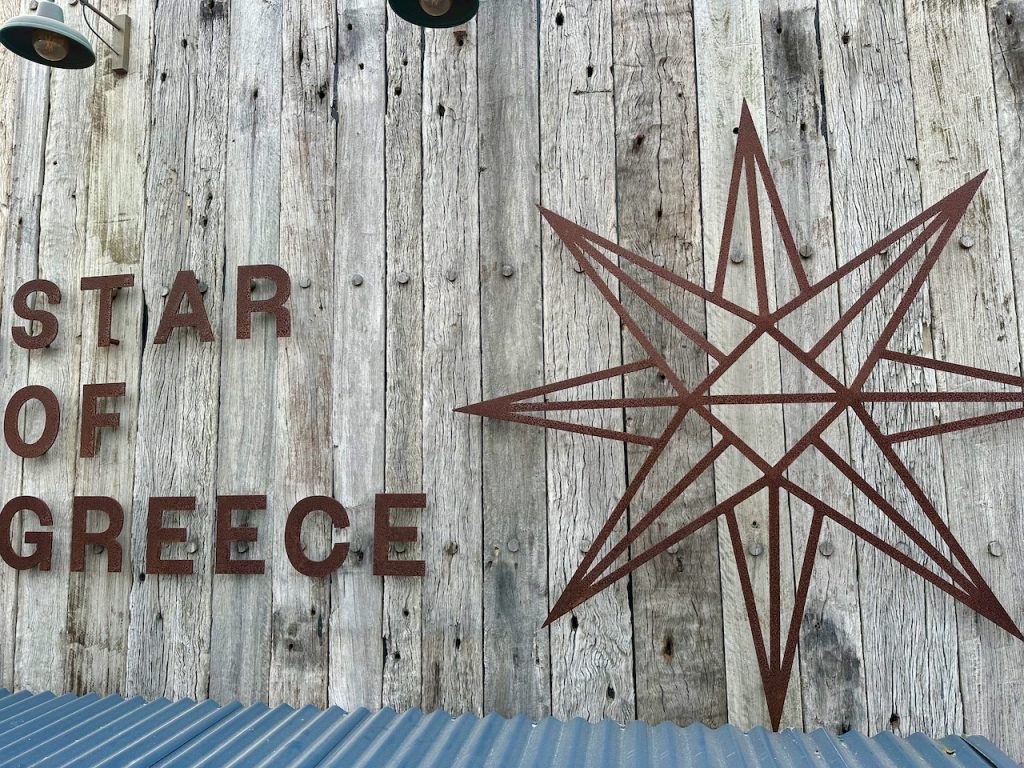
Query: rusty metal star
point(953, 573)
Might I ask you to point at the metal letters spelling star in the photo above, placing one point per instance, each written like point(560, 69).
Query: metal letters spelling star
point(955, 574)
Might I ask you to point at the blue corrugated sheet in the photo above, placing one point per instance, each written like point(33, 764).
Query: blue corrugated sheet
point(53, 731)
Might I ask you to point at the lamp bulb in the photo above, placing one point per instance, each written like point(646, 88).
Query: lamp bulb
point(50, 45)
point(436, 7)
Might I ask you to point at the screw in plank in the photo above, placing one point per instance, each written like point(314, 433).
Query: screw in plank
point(756, 549)
point(193, 548)
point(241, 547)
point(508, 270)
point(403, 278)
point(164, 291)
point(203, 287)
point(659, 260)
point(577, 268)
point(401, 548)
point(585, 546)
point(513, 545)
point(305, 282)
point(806, 253)
point(736, 257)
point(966, 241)
point(826, 549)
point(97, 548)
point(995, 549)
point(34, 5)
point(357, 280)
point(673, 549)
point(451, 275)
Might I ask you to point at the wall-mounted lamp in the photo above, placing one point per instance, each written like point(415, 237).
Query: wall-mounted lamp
point(44, 38)
point(436, 13)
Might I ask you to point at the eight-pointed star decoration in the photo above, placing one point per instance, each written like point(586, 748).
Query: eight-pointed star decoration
point(897, 267)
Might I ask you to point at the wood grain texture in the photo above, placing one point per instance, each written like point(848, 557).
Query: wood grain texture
point(909, 628)
point(729, 71)
point(975, 322)
point(517, 663)
point(394, 173)
point(677, 597)
point(21, 251)
point(403, 444)
point(169, 631)
point(97, 622)
point(43, 600)
point(832, 674)
point(359, 347)
point(452, 541)
point(10, 82)
point(591, 650)
point(240, 630)
point(302, 437)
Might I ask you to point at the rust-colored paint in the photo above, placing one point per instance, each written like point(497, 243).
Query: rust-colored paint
point(228, 533)
point(293, 536)
point(385, 534)
point(246, 306)
point(43, 540)
point(51, 423)
point(93, 419)
point(49, 325)
point(82, 537)
point(185, 286)
point(775, 653)
point(157, 535)
point(108, 286)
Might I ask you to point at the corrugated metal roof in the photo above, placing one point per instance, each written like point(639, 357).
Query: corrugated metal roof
point(90, 731)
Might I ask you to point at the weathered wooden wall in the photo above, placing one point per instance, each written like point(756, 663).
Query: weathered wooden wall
point(395, 172)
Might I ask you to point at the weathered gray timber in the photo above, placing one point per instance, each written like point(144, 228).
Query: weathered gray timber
point(179, 387)
point(404, 448)
point(910, 658)
point(395, 173)
point(517, 657)
point(97, 620)
point(830, 644)
point(240, 631)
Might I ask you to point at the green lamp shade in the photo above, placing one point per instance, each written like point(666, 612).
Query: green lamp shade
point(436, 13)
point(44, 38)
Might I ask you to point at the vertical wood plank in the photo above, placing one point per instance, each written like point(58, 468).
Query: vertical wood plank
point(20, 265)
point(831, 653)
point(909, 653)
point(516, 646)
point(591, 650)
point(10, 466)
point(43, 595)
point(302, 424)
point(97, 621)
point(452, 543)
point(677, 597)
point(359, 347)
point(729, 70)
point(240, 631)
point(975, 323)
point(403, 459)
point(169, 633)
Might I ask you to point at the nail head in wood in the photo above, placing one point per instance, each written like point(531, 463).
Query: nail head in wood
point(513, 545)
point(357, 280)
point(305, 282)
point(577, 268)
point(736, 257)
point(450, 275)
point(995, 549)
point(966, 242)
point(756, 549)
point(826, 549)
point(403, 278)
point(508, 270)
